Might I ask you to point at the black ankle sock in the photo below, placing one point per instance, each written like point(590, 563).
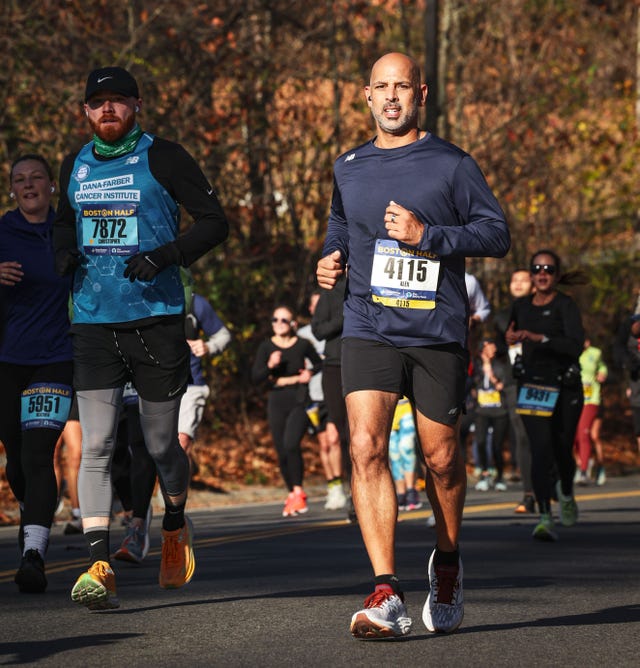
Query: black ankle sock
point(389, 580)
point(442, 558)
point(173, 517)
point(98, 544)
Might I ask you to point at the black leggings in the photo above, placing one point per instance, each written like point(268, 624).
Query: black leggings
point(519, 435)
point(500, 426)
point(551, 440)
point(288, 422)
point(29, 470)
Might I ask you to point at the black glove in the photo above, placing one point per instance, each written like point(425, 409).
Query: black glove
point(146, 266)
point(67, 260)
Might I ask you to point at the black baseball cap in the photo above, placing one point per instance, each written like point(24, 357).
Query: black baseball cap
point(114, 79)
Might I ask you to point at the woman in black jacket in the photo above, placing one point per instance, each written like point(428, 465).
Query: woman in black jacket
point(548, 325)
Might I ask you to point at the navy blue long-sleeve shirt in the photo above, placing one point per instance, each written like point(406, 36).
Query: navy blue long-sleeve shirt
point(34, 311)
point(396, 293)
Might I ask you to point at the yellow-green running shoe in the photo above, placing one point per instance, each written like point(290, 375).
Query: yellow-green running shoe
point(96, 588)
point(544, 529)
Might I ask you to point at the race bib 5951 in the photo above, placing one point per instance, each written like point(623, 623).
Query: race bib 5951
point(45, 405)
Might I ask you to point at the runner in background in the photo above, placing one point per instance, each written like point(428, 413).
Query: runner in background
point(519, 286)
point(587, 442)
point(35, 360)
point(325, 430)
point(201, 321)
point(281, 364)
point(549, 327)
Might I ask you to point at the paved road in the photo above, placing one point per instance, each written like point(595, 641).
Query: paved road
point(274, 592)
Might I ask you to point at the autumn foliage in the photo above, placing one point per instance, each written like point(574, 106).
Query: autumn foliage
point(266, 94)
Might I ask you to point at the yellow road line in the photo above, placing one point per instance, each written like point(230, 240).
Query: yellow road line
point(506, 505)
point(60, 566)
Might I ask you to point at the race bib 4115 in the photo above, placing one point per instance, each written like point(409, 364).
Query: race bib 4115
point(404, 277)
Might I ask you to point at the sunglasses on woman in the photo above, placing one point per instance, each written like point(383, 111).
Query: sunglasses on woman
point(284, 321)
point(547, 268)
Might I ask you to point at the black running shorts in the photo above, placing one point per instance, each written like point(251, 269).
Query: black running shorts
point(432, 377)
point(155, 357)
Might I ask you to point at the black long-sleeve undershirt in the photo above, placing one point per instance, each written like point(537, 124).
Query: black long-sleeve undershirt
point(327, 322)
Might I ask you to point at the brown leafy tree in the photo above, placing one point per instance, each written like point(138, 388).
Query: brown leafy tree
point(266, 93)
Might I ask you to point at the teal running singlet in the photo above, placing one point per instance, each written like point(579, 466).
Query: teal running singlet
point(120, 210)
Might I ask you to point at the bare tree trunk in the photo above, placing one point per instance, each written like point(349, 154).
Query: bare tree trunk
point(444, 126)
point(336, 82)
point(431, 67)
point(638, 66)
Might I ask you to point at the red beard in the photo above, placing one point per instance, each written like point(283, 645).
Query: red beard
point(114, 130)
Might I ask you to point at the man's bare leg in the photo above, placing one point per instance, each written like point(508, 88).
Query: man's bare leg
point(446, 488)
point(370, 416)
point(446, 480)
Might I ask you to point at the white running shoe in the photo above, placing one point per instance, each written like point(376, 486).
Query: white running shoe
point(484, 484)
point(444, 609)
point(336, 498)
point(581, 479)
point(383, 616)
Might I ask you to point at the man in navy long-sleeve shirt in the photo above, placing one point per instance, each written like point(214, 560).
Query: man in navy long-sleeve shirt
point(407, 209)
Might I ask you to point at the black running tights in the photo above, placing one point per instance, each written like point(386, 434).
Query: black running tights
point(288, 422)
point(551, 440)
point(29, 452)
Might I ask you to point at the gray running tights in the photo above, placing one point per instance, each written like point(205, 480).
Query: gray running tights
point(99, 415)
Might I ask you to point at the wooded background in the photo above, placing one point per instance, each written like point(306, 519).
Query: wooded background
point(265, 94)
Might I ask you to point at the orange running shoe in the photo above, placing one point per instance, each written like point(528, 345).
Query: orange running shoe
point(177, 563)
point(288, 511)
point(96, 588)
point(299, 503)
